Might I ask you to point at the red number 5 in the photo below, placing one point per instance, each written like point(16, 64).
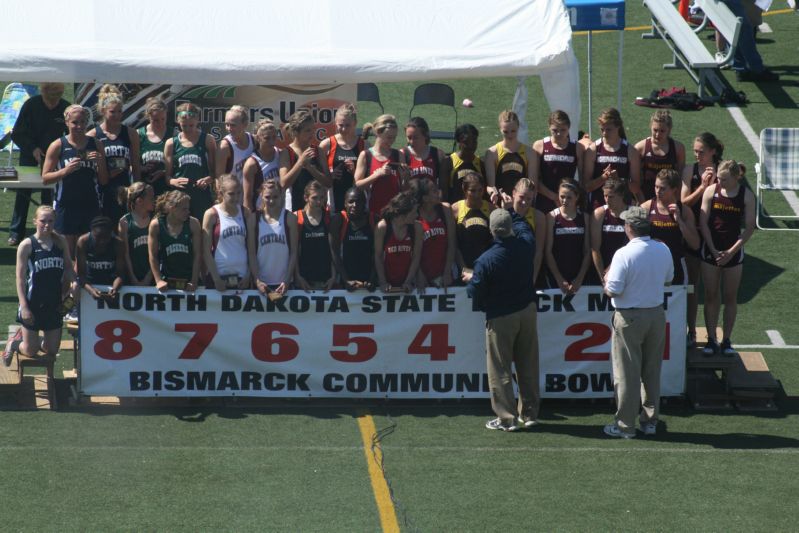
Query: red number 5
point(365, 347)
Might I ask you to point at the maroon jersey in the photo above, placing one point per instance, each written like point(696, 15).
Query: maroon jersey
point(664, 228)
point(652, 163)
point(568, 237)
point(618, 161)
point(556, 165)
point(397, 256)
point(386, 187)
point(423, 168)
point(613, 236)
point(726, 216)
point(434, 245)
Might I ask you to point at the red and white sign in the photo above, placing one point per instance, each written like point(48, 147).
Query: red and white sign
point(340, 344)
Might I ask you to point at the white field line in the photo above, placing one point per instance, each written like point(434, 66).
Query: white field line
point(475, 449)
point(754, 140)
point(775, 337)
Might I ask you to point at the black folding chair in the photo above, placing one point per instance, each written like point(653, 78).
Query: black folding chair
point(437, 94)
point(367, 92)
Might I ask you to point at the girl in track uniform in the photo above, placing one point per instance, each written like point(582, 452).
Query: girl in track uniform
point(274, 243)
point(353, 256)
point(225, 229)
point(672, 222)
point(398, 244)
point(610, 156)
point(237, 145)
point(174, 243)
point(76, 164)
point(379, 170)
point(101, 258)
point(263, 164)
point(558, 158)
point(568, 247)
point(522, 201)
point(152, 139)
point(471, 222)
point(423, 159)
point(341, 152)
point(44, 275)
point(299, 162)
point(190, 160)
point(315, 268)
point(134, 228)
point(726, 207)
point(607, 227)
point(455, 166)
point(508, 161)
point(658, 152)
point(696, 179)
point(438, 235)
point(121, 145)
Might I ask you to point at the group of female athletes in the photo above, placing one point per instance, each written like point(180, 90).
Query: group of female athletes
point(142, 207)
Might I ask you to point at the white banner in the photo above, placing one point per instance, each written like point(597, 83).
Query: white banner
point(339, 344)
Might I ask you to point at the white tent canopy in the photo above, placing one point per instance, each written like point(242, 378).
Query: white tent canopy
point(256, 42)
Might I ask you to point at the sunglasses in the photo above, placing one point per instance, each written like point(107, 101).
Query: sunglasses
point(187, 114)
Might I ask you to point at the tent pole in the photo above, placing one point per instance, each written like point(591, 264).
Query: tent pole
point(590, 109)
point(621, 48)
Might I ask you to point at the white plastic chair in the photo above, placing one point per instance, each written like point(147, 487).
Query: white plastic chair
point(778, 170)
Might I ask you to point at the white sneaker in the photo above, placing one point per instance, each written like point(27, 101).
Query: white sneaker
point(649, 428)
point(613, 430)
point(72, 316)
point(527, 423)
point(496, 423)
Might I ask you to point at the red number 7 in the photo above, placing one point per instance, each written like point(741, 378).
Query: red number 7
point(203, 335)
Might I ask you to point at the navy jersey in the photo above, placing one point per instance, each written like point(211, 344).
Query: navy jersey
point(79, 189)
point(44, 275)
point(101, 267)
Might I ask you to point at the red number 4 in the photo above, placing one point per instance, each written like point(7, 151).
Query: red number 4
point(437, 348)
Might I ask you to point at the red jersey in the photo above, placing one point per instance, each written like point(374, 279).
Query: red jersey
point(386, 187)
point(665, 229)
point(652, 163)
point(613, 236)
point(423, 168)
point(556, 165)
point(397, 256)
point(568, 237)
point(434, 245)
point(726, 216)
point(618, 161)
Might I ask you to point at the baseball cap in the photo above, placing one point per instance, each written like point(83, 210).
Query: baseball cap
point(500, 223)
point(636, 216)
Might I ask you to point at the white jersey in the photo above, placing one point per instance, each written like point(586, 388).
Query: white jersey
point(270, 170)
point(239, 155)
point(272, 250)
point(230, 244)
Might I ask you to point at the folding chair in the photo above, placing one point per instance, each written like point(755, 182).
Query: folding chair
point(778, 170)
point(438, 94)
point(367, 92)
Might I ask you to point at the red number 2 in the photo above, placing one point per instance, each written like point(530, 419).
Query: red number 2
point(599, 335)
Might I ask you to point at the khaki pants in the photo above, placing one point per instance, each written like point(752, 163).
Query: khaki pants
point(513, 339)
point(639, 336)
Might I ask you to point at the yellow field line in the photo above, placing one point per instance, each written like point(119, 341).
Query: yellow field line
point(643, 28)
point(388, 517)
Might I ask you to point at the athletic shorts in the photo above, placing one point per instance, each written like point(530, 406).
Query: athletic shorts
point(707, 257)
point(45, 318)
point(74, 220)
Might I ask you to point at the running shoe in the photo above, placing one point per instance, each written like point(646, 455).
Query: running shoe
point(690, 342)
point(649, 428)
point(527, 422)
point(496, 423)
point(711, 348)
point(12, 345)
point(727, 349)
point(613, 430)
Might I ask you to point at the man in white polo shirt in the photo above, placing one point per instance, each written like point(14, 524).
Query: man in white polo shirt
point(635, 282)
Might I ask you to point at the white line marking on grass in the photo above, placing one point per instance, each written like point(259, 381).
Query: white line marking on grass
point(478, 449)
point(775, 337)
point(767, 347)
point(754, 140)
point(765, 28)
